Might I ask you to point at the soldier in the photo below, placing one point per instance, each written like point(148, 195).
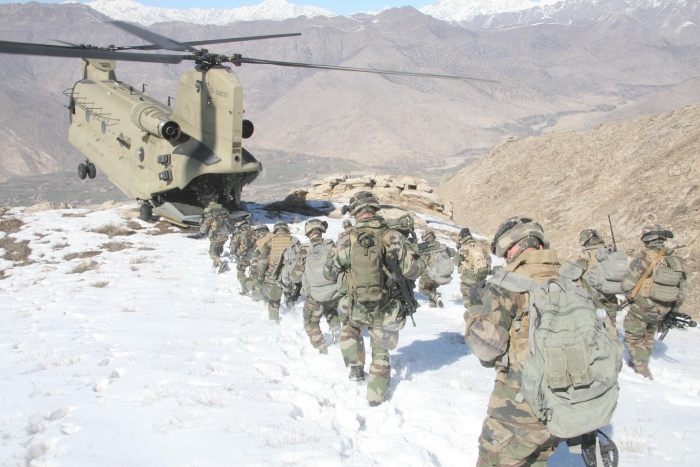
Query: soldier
point(656, 283)
point(435, 254)
point(347, 225)
point(359, 262)
point(473, 263)
point(241, 246)
point(269, 263)
point(511, 434)
point(322, 295)
point(591, 241)
point(214, 225)
point(261, 234)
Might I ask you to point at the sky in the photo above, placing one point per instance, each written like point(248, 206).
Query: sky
point(340, 7)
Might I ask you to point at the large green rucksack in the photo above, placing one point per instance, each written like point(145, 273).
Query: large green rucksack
point(609, 270)
point(569, 378)
point(367, 278)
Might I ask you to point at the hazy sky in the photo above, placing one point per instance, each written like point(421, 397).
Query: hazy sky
point(341, 7)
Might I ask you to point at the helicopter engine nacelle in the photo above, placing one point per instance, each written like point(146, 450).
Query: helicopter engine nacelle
point(155, 120)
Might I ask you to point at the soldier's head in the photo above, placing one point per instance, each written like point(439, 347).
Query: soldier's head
point(429, 236)
point(261, 230)
point(465, 235)
point(517, 235)
point(280, 227)
point(315, 228)
point(654, 233)
point(590, 237)
point(347, 225)
point(362, 205)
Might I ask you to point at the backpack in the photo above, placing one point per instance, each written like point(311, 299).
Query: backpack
point(404, 224)
point(314, 283)
point(609, 270)
point(664, 284)
point(440, 266)
point(367, 277)
point(224, 224)
point(569, 378)
point(478, 267)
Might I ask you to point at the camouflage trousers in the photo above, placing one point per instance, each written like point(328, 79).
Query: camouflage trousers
point(313, 311)
point(384, 327)
point(464, 288)
point(215, 251)
point(639, 337)
point(514, 444)
point(272, 293)
point(428, 287)
point(241, 267)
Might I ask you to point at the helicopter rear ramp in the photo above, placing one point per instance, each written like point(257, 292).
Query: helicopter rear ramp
point(186, 215)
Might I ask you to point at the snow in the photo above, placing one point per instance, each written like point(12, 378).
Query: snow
point(463, 10)
point(151, 359)
point(128, 10)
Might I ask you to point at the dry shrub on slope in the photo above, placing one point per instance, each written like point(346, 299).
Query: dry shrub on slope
point(641, 171)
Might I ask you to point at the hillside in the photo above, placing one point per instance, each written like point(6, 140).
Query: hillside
point(575, 72)
point(639, 171)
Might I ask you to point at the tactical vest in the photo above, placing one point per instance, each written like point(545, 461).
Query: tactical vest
point(279, 243)
point(314, 283)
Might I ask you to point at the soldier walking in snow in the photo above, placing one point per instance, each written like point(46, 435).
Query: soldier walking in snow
point(439, 272)
point(473, 263)
point(372, 265)
point(215, 225)
point(269, 265)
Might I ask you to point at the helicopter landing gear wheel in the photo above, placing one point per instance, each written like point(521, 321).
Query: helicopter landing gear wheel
point(145, 212)
point(91, 170)
point(82, 171)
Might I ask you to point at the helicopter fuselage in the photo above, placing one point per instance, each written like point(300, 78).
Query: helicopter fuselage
point(188, 155)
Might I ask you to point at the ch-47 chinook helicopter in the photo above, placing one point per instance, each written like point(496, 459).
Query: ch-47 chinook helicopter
point(175, 160)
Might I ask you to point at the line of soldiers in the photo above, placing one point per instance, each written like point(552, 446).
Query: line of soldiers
point(366, 279)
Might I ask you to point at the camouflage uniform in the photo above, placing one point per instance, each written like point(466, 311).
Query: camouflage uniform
point(474, 265)
point(315, 308)
point(347, 225)
point(211, 227)
point(253, 281)
point(269, 257)
point(645, 313)
point(383, 321)
point(426, 285)
point(591, 241)
point(242, 243)
point(511, 434)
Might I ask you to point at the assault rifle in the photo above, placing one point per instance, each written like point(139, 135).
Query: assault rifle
point(292, 294)
point(674, 319)
point(405, 288)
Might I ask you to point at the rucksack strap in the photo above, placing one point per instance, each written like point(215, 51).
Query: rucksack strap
point(644, 277)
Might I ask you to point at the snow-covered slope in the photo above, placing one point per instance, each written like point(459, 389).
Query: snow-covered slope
point(463, 10)
point(151, 359)
point(128, 10)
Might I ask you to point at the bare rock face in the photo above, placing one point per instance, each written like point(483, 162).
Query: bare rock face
point(407, 192)
point(640, 172)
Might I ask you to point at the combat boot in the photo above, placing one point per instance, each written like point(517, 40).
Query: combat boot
point(641, 369)
point(357, 373)
point(375, 403)
point(273, 311)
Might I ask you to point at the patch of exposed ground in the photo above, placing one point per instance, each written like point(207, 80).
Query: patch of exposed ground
point(116, 246)
point(16, 251)
point(81, 255)
point(113, 230)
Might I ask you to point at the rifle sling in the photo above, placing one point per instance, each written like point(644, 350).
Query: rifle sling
point(644, 277)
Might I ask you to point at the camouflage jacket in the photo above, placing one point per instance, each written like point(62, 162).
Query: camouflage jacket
point(211, 228)
point(494, 340)
point(267, 264)
point(644, 307)
point(242, 241)
point(470, 272)
point(410, 264)
point(255, 258)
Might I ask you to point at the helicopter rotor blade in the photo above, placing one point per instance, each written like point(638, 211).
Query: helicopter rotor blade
point(161, 42)
point(360, 70)
point(66, 43)
point(23, 48)
point(214, 41)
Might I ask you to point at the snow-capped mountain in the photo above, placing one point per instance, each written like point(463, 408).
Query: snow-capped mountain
point(128, 10)
point(463, 10)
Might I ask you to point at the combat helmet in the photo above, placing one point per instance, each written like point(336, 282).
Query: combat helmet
point(654, 233)
point(518, 230)
point(464, 235)
point(347, 224)
point(428, 236)
point(315, 225)
point(280, 226)
point(260, 230)
point(589, 237)
point(360, 202)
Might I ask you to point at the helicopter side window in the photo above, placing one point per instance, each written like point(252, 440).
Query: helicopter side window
point(87, 115)
point(104, 128)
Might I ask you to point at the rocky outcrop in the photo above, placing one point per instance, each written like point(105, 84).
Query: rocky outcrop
point(47, 207)
point(401, 191)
